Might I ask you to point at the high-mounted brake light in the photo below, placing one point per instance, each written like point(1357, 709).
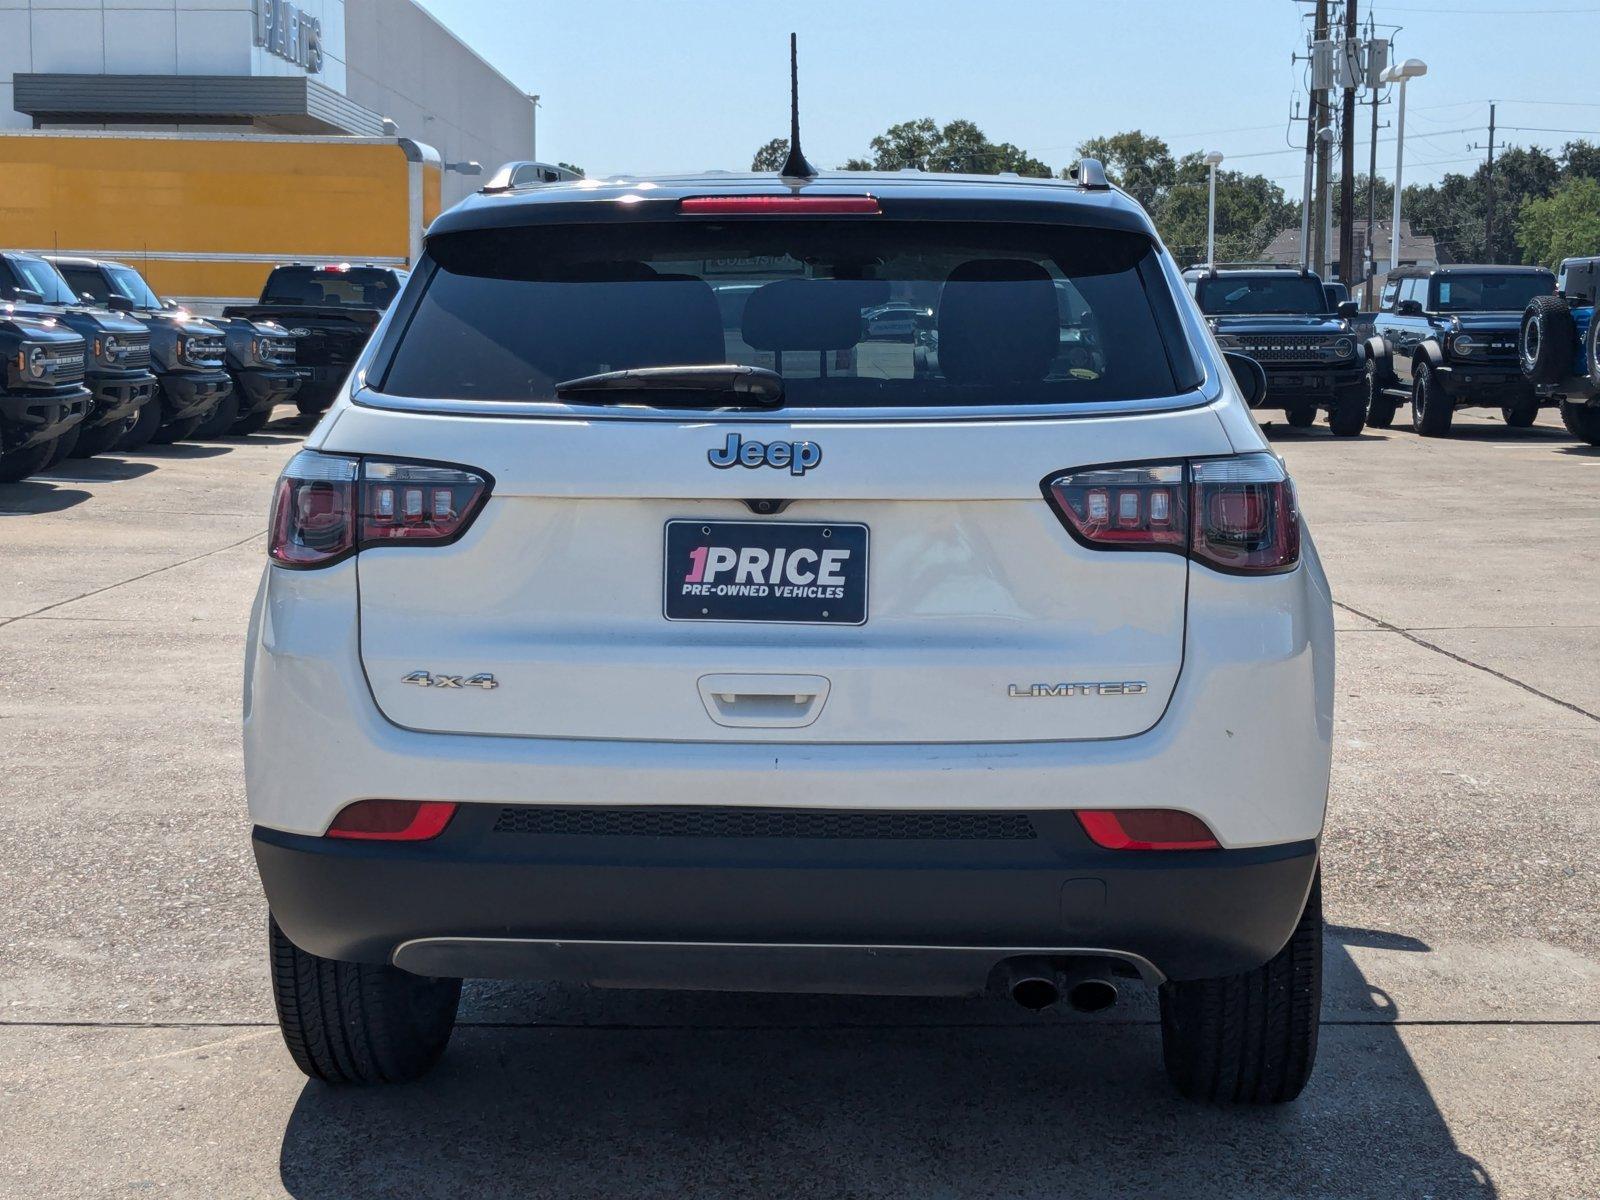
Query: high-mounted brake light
point(392, 820)
point(1233, 514)
point(779, 206)
point(329, 506)
point(1146, 829)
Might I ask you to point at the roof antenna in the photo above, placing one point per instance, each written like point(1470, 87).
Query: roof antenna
point(795, 166)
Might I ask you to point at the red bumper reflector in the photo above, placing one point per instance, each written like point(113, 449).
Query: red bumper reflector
point(392, 820)
point(779, 206)
point(1146, 829)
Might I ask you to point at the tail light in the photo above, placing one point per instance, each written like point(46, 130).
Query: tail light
point(392, 820)
point(1234, 514)
point(1146, 829)
point(329, 506)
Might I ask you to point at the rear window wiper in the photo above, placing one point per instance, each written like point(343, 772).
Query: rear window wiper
point(683, 387)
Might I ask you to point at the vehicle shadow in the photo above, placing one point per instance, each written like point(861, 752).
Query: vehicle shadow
point(187, 450)
point(1276, 431)
point(100, 468)
point(665, 1094)
point(33, 495)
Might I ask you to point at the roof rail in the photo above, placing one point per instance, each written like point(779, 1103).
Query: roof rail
point(526, 173)
point(1091, 175)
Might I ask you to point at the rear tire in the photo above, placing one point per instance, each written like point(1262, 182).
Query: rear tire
point(1548, 340)
point(358, 1022)
point(312, 407)
point(19, 464)
point(252, 422)
point(1582, 422)
point(1520, 416)
point(99, 439)
point(1431, 410)
point(1381, 406)
point(1301, 416)
point(221, 419)
point(1249, 1038)
point(143, 428)
point(1348, 416)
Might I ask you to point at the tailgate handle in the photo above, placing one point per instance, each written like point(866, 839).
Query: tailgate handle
point(763, 701)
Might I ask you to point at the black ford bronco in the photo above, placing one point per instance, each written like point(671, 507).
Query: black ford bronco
point(1446, 338)
point(1282, 318)
point(117, 360)
point(42, 395)
point(186, 351)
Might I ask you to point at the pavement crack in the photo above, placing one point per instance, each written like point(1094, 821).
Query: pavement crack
point(1467, 662)
point(132, 579)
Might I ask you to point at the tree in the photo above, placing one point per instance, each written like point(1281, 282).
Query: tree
point(1250, 210)
point(771, 156)
point(960, 146)
point(1562, 225)
point(566, 166)
point(1138, 163)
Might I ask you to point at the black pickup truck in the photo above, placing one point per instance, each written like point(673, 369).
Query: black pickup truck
point(117, 358)
point(331, 311)
point(1446, 338)
point(1280, 316)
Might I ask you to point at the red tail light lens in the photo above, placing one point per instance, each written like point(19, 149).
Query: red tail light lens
point(329, 506)
point(1234, 514)
point(779, 206)
point(1146, 829)
point(392, 820)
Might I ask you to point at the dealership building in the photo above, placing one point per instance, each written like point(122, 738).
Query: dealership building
point(365, 68)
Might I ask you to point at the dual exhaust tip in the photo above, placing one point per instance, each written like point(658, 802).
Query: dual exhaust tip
point(1086, 987)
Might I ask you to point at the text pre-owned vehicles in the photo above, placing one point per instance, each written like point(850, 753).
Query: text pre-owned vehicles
point(1446, 338)
point(117, 352)
point(1559, 347)
point(1281, 318)
point(601, 641)
point(42, 396)
point(186, 353)
point(330, 311)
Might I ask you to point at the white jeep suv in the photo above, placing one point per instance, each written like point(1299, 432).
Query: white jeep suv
point(644, 615)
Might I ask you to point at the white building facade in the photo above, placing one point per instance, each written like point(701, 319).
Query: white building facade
point(267, 66)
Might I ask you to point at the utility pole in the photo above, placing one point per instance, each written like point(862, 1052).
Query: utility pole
point(1488, 188)
point(1319, 109)
point(1347, 161)
point(1372, 194)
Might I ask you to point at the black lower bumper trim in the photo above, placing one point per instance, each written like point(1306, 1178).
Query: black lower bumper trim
point(118, 398)
point(1191, 914)
point(265, 388)
point(189, 395)
point(28, 419)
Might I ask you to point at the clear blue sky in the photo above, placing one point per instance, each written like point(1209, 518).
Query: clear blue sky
point(658, 85)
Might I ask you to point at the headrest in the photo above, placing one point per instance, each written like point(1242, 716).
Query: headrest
point(998, 322)
point(809, 314)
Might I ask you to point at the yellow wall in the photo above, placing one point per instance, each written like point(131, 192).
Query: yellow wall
point(274, 197)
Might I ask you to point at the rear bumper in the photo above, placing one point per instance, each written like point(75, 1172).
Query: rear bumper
point(117, 397)
point(263, 389)
point(897, 914)
point(27, 419)
point(191, 394)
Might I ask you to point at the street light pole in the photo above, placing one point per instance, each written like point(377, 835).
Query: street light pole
point(1412, 68)
point(1211, 160)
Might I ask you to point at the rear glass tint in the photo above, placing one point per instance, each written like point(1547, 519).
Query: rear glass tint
point(360, 287)
point(851, 314)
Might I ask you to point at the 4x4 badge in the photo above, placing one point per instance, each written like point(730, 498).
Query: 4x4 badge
point(482, 680)
point(799, 457)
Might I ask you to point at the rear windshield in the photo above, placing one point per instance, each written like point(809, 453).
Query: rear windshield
point(328, 287)
point(1229, 295)
point(1489, 293)
point(851, 314)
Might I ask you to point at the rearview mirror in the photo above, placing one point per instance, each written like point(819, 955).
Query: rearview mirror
point(119, 304)
point(1249, 375)
point(1349, 310)
point(87, 298)
point(1410, 308)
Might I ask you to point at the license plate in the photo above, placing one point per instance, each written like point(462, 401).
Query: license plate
point(808, 574)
